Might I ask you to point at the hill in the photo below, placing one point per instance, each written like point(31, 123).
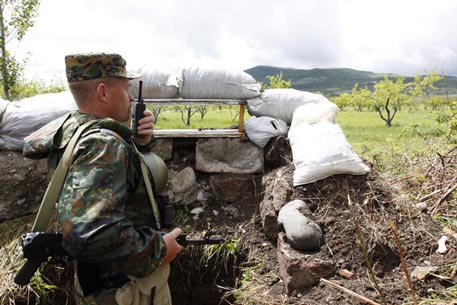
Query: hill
point(332, 82)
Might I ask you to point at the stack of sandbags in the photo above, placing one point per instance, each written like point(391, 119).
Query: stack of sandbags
point(207, 83)
point(319, 147)
point(23, 117)
point(157, 84)
point(281, 103)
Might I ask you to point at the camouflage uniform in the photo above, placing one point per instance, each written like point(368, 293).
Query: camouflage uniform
point(103, 209)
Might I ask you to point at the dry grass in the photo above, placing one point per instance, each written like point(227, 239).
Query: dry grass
point(11, 259)
point(379, 200)
point(50, 284)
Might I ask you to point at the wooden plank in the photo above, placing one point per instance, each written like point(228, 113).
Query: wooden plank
point(198, 133)
point(241, 118)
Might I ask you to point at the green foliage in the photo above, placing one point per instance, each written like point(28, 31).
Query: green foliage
point(16, 18)
point(28, 88)
point(360, 98)
point(223, 254)
point(36, 86)
point(436, 103)
point(389, 95)
point(441, 297)
point(10, 78)
point(276, 81)
point(412, 134)
point(343, 100)
point(449, 120)
point(215, 117)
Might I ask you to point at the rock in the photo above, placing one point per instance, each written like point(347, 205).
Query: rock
point(299, 270)
point(228, 155)
point(421, 273)
point(163, 148)
point(442, 249)
point(346, 274)
point(269, 219)
point(279, 187)
point(184, 186)
point(196, 212)
point(231, 210)
point(302, 233)
point(277, 191)
point(201, 196)
point(421, 206)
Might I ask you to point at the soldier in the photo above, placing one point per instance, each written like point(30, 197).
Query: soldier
point(106, 217)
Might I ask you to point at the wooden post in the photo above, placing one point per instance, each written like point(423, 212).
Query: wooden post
point(241, 118)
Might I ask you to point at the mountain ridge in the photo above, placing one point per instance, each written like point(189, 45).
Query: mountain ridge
point(334, 81)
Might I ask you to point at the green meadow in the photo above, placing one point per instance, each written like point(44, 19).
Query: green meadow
point(413, 133)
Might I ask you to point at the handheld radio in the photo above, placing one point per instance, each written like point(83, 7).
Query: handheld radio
point(137, 112)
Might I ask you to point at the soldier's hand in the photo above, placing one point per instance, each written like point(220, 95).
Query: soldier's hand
point(173, 248)
point(146, 127)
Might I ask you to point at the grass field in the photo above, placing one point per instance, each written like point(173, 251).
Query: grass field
point(413, 133)
point(216, 117)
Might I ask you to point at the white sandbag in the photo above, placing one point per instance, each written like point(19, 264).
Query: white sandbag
point(313, 113)
point(157, 84)
point(210, 83)
point(23, 117)
point(302, 233)
point(321, 150)
point(263, 129)
point(282, 103)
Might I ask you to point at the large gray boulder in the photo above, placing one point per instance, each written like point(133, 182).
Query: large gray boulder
point(228, 155)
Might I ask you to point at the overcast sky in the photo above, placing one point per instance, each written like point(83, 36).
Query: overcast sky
point(387, 36)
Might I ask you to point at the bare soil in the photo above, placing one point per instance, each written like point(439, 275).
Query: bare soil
point(351, 210)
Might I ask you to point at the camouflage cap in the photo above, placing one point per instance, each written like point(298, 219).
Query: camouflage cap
point(80, 67)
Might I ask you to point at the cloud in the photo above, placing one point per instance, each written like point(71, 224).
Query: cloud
point(403, 37)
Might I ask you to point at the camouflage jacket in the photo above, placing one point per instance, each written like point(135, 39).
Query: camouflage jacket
point(103, 209)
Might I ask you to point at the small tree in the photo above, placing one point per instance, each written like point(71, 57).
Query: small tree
point(389, 95)
point(186, 113)
point(360, 98)
point(343, 100)
point(16, 17)
point(276, 81)
point(449, 119)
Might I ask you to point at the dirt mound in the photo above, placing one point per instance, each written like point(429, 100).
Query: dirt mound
point(356, 214)
point(21, 184)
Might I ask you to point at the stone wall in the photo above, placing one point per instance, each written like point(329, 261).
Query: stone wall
point(228, 169)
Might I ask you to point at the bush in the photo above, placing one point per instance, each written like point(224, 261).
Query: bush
point(28, 88)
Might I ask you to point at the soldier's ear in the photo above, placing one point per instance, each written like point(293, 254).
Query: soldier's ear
point(100, 91)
